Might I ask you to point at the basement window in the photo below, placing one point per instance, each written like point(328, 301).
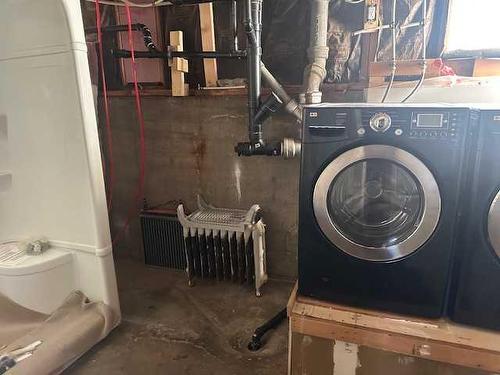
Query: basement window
point(471, 28)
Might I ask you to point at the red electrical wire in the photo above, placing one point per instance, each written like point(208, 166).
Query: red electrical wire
point(111, 172)
point(142, 142)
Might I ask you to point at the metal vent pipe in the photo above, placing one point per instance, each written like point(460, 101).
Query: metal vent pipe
point(253, 27)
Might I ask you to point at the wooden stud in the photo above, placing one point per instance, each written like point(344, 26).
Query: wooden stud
point(368, 51)
point(208, 42)
point(178, 66)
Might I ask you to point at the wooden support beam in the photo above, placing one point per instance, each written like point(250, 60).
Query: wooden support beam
point(178, 65)
point(208, 43)
point(368, 51)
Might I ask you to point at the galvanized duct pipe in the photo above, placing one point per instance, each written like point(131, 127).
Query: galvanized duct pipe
point(318, 50)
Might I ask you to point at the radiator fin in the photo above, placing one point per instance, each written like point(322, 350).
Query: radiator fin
point(163, 240)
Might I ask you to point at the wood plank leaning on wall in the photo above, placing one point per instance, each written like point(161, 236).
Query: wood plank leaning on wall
point(208, 43)
point(178, 66)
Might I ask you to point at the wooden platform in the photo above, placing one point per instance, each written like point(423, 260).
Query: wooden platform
point(437, 340)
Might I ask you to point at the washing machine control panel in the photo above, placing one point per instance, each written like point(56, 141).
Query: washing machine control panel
point(434, 125)
point(420, 123)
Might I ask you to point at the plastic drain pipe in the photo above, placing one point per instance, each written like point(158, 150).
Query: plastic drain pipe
point(291, 106)
point(314, 75)
point(315, 72)
point(258, 112)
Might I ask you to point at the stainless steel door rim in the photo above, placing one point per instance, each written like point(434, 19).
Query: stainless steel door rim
point(430, 192)
point(494, 224)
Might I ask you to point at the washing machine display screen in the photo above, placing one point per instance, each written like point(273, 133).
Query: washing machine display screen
point(376, 203)
point(429, 120)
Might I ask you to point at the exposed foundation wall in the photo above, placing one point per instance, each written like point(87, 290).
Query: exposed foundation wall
point(189, 144)
point(190, 150)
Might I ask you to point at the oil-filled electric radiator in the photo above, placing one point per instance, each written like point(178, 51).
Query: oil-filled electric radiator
point(225, 244)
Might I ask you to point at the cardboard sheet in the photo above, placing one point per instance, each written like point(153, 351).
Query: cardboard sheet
point(66, 334)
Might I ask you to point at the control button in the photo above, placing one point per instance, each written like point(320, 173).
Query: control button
point(398, 132)
point(443, 134)
point(380, 122)
point(413, 133)
point(433, 133)
point(361, 131)
point(423, 133)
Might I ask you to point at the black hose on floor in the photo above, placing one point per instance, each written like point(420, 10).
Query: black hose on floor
point(256, 341)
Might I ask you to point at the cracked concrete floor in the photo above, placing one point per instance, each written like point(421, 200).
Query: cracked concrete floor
point(169, 328)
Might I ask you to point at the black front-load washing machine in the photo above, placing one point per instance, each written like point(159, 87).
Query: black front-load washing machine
point(476, 300)
point(378, 200)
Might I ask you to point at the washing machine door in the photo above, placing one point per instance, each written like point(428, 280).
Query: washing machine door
point(494, 224)
point(377, 203)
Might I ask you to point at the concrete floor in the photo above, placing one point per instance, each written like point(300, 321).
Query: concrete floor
point(169, 328)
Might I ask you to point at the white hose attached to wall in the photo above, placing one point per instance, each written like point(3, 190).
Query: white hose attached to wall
point(424, 52)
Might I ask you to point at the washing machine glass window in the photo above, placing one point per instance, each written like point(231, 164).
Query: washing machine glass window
point(377, 203)
point(494, 224)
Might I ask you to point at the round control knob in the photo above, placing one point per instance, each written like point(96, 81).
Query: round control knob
point(361, 131)
point(380, 122)
point(398, 132)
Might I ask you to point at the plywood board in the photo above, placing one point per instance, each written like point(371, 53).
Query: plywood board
point(438, 340)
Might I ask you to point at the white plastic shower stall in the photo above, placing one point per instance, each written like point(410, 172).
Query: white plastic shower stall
point(51, 178)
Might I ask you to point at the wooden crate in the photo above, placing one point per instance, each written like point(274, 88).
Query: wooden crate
point(333, 339)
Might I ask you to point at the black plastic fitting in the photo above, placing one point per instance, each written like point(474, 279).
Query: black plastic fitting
point(259, 148)
point(271, 105)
